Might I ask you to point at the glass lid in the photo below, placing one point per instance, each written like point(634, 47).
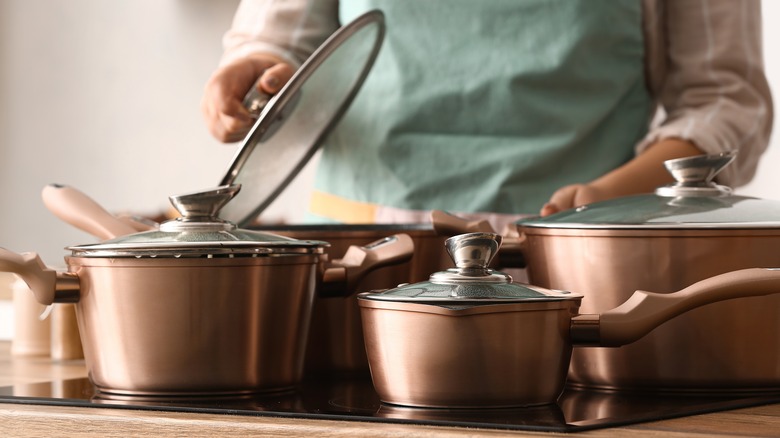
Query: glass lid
point(471, 281)
point(199, 232)
point(293, 124)
point(694, 201)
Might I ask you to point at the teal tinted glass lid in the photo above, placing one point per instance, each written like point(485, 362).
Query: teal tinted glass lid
point(694, 201)
point(470, 282)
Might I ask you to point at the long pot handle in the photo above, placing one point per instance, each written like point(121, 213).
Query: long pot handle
point(511, 253)
point(47, 285)
point(81, 211)
point(342, 275)
point(446, 224)
point(644, 311)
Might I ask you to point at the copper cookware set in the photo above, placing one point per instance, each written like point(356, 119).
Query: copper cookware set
point(200, 305)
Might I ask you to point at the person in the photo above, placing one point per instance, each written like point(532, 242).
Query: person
point(507, 108)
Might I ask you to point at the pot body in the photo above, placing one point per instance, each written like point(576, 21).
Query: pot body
point(488, 356)
point(183, 326)
point(336, 343)
point(731, 346)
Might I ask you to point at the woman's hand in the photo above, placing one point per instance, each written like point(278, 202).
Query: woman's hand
point(643, 174)
point(573, 196)
point(222, 103)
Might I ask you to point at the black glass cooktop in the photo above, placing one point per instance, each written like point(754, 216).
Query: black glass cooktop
point(353, 397)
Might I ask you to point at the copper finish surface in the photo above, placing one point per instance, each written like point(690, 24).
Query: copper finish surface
point(479, 357)
point(194, 326)
point(731, 346)
point(336, 337)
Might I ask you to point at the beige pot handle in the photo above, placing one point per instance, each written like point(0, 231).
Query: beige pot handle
point(342, 276)
point(79, 210)
point(644, 311)
point(29, 266)
point(447, 224)
point(511, 254)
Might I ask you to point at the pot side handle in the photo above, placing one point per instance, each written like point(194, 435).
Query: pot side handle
point(342, 276)
point(644, 311)
point(29, 266)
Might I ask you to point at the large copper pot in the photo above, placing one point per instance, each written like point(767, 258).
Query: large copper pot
point(471, 338)
point(663, 242)
point(198, 306)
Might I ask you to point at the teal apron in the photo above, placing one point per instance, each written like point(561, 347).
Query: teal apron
point(488, 106)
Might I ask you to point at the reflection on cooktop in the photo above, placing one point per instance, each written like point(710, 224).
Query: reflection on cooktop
point(353, 398)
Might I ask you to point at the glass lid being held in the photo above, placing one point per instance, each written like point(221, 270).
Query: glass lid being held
point(199, 232)
point(693, 201)
point(293, 124)
point(471, 281)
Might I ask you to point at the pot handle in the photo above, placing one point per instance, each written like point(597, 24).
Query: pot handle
point(45, 283)
point(511, 254)
point(644, 311)
point(446, 224)
point(342, 276)
point(81, 211)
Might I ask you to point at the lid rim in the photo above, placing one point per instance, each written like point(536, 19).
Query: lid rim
point(462, 309)
point(469, 300)
point(196, 249)
point(502, 293)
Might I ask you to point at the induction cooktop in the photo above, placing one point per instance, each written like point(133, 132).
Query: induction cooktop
point(352, 397)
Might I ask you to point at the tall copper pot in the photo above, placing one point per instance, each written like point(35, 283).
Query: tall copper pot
point(663, 242)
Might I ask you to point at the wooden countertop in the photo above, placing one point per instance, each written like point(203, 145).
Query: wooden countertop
point(19, 420)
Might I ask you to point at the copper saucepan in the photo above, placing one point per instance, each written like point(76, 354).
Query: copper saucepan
point(471, 338)
point(683, 233)
point(198, 306)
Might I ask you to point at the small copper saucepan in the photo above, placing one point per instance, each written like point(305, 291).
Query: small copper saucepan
point(472, 338)
point(199, 306)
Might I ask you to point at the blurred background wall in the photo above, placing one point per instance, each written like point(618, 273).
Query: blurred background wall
point(104, 96)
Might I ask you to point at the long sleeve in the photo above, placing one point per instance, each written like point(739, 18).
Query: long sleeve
point(289, 29)
point(706, 72)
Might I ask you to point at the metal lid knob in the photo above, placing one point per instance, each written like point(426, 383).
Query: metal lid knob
point(472, 253)
point(473, 250)
point(694, 175)
point(200, 210)
point(255, 100)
